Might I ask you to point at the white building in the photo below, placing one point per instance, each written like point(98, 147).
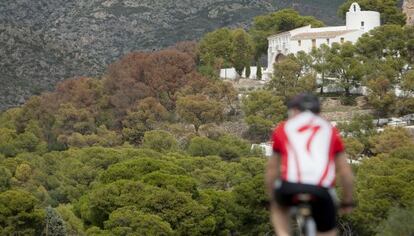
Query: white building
point(305, 38)
point(266, 148)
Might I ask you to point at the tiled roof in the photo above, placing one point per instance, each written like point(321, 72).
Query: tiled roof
point(326, 34)
point(287, 32)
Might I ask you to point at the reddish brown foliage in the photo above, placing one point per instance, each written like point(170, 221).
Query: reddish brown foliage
point(196, 84)
point(81, 92)
point(166, 73)
point(124, 83)
point(139, 75)
point(136, 95)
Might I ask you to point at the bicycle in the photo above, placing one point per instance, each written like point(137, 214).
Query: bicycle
point(302, 212)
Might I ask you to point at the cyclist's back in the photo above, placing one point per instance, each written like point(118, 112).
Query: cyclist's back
point(307, 145)
point(307, 152)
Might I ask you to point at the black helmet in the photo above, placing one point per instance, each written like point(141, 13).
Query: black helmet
point(305, 102)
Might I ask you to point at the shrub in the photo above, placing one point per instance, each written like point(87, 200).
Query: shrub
point(202, 146)
point(160, 141)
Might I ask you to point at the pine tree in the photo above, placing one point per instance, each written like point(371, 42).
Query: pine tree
point(55, 226)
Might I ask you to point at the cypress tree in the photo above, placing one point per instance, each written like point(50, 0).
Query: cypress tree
point(248, 72)
point(259, 71)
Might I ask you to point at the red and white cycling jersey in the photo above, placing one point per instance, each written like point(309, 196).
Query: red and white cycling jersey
point(307, 145)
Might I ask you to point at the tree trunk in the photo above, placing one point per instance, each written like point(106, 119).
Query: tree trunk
point(347, 92)
point(323, 80)
point(237, 79)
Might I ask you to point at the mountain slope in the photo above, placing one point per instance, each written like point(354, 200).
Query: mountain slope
point(42, 42)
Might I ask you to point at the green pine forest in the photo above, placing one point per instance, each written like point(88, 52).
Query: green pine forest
point(144, 149)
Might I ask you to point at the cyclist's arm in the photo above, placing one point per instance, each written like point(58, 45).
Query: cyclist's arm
point(345, 174)
point(272, 172)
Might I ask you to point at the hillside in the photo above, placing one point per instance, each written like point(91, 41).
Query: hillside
point(156, 147)
point(42, 42)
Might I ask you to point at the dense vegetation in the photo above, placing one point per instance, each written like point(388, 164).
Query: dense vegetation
point(98, 157)
point(141, 151)
point(109, 191)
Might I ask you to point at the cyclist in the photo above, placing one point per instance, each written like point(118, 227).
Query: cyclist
point(307, 152)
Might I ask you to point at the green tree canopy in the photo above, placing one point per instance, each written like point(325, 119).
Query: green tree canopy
point(353, 147)
point(136, 169)
point(320, 57)
point(141, 118)
point(262, 111)
point(19, 213)
point(203, 146)
point(345, 66)
point(227, 48)
point(73, 225)
point(242, 50)
point(383, 41)
point(130, 221)
point(400, 221)
point(199, 109)
point(5, 176)
point(382, 96)
point(383, 182)
point(391, 139)
point(405, 105)
point(215, 48)
point(360, 127)
point(160, 141)
point(288, 79)
point(276, 22)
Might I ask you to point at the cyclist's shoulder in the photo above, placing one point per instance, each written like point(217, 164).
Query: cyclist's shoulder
point(307, 118)
point(301, 120)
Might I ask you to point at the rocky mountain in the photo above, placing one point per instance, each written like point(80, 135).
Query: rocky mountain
point(45, 41)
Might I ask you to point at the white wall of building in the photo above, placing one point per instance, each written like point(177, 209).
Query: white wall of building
point(266, 148)
point(352, 36)
point(357, 23)
point(363, 20)
point(230, 73)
